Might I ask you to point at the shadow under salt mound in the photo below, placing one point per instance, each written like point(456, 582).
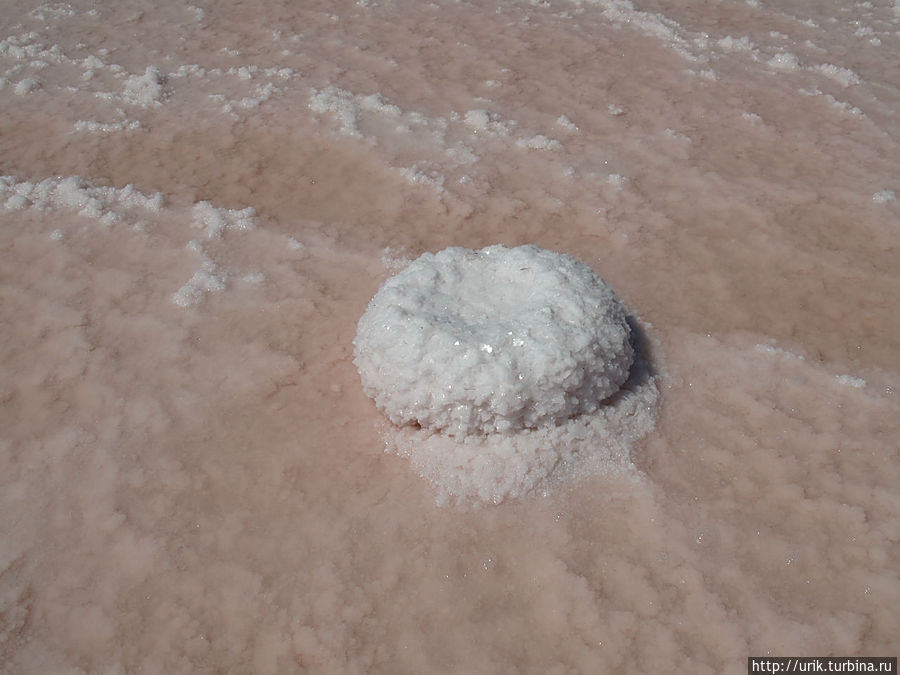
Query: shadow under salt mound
point(642, 370)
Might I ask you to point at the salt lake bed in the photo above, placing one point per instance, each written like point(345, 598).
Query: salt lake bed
point(197, 204)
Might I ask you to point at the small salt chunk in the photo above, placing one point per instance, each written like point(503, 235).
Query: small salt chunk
point(565, 123)
point(784, 61)
point(254, 278)
point(144, 90)
point(851, 381)
point(26, 86)
point(842, 76)
point(539, 142)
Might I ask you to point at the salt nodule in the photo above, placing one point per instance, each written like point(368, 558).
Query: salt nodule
point(494, 367)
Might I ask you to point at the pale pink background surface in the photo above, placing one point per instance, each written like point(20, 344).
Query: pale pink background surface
point(202, 489)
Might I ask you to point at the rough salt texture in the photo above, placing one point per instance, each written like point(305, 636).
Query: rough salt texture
point(201, 489)
point(495, 467)
point(495, 340)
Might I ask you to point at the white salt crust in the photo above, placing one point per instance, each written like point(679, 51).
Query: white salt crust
point(493, 365)
point(110, 206)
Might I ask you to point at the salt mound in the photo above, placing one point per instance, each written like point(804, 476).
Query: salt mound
point(494, 365)
point(495, 340)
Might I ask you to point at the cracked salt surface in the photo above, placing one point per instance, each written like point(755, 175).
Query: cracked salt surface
point(194, 221)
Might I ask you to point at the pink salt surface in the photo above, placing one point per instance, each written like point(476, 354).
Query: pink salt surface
point(203, 488)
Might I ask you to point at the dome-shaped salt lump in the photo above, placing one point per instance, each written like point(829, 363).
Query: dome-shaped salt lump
point(492, 341)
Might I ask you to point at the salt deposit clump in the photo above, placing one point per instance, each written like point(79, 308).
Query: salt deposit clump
point(497, 340)
point(502, 367)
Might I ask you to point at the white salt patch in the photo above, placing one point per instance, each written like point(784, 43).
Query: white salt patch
point(784, 61)
point(216, 221)
point(293, 244)
point(478, 119)
point(707, 74)
point(565, 123)
point(188, 70)
point(144, 90)
point(376, 103)
point(418, 176)
point(651, 24)
point(104, 127)
point(777, 351)
point(132, 198)
point(109, 206)
point(243, 73)
point(92, 63)
point(352, 109)
point(26, 86)
point(843, 106)
point(338, 102)
point(105, 204)
point(54, 11)
point(462, 154)
point(487, 122)
point(392, 261)
point(205, 280)
point(108, 219)
point(194, 290)
point(842, 76)
point(539, 142)
point(493, 387)
point(254, 278)
point(672, 133)
point(261, 95)
point(850, 381)
point(883, 196)
point(730, 44)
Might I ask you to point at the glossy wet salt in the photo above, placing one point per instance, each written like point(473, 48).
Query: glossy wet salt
point(192, 486)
